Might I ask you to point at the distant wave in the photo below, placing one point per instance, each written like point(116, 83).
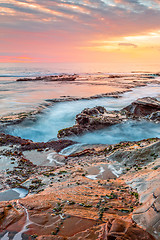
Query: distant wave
point(8, 75)
point(27, 75)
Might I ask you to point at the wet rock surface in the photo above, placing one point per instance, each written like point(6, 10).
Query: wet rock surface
point(20, 117)
point(135, 158)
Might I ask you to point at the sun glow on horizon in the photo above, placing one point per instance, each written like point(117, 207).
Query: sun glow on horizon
point(150, 40)
point(79, 31)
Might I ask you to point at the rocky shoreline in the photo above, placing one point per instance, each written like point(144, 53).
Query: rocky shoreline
point(98, 117)
point(102, 192)
point(125, 82)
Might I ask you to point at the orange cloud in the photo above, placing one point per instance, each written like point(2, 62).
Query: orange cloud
point(86, 30)
point(17, 59)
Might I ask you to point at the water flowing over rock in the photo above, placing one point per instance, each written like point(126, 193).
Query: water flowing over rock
point(98, 117)
point(92, 119)
point(155, 116)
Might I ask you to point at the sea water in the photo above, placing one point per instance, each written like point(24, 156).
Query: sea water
point(18, 97)
point(63, 114)
point(23, 96)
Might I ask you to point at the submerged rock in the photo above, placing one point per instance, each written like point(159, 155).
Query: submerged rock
point(98, 117)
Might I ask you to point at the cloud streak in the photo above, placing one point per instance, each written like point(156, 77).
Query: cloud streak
point(100, 16)
point(68, 24)
point(128, 45)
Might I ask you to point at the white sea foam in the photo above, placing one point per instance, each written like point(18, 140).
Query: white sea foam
point(71, 149)
point(127, 131)
point(101, 170)
point(116, 169)
point(52, 159)
point(5, 237)
point(94, 177)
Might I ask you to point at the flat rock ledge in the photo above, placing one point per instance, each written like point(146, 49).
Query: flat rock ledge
point(98, 117)
point(49, 78)
point(25, 144)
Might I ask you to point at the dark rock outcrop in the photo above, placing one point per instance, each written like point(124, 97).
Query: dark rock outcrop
point(98, 117)
point(49, 78)
point(6, 139)
point(143, 107)
point(92, 119)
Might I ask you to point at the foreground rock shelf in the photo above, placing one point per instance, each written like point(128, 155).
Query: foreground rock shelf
point(66, 204)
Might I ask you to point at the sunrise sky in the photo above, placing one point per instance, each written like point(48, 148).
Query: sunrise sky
point(80, 31)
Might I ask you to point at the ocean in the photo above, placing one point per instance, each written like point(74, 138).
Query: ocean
point(16, 97)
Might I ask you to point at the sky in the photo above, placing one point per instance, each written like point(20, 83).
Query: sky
point(80, 31)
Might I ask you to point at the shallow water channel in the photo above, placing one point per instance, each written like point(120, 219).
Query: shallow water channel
point(62, 115)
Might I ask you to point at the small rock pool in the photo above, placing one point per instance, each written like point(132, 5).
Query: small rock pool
point(14, 193)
